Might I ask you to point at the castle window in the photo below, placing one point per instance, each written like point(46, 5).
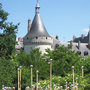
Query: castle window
point(85, 53)
point(36, 37)
point(57, 45)
point(79, 52)
point(46, 37)
point(27, 37)
point(57, 37)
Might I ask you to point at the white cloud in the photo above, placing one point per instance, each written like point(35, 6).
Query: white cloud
point(86, 29)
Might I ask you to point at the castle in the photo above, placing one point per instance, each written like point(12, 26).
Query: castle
point(38, 37)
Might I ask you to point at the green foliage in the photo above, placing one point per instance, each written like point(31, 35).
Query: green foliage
point(36, 59)
point(63, 60)
point(8, 72)
point(61, 68)
point(3, 17)
point(7, 35)
point(61, 81)
point(86, 64)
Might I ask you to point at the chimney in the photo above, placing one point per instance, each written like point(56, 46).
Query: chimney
point(79, 44)
point(88, 44)
point(82, 36)
point(74, 37)
point(89, 39)
point(29, 25)
point(71, 42)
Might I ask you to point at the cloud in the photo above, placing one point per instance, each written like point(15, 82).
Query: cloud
point(86, 29)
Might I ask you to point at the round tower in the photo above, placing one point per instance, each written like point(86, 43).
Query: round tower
point(38, 36)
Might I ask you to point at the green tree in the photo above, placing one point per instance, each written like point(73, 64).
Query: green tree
point(7, 35)
point(64, 59)
point(86, 64)
point(8, 66)
point(39, 63)
point(8, 72)
point(62, 63)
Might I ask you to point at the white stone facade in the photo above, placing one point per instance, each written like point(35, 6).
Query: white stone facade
point(28, 48)
point(41, 42)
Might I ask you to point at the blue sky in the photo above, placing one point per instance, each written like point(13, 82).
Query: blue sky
point(64, 18)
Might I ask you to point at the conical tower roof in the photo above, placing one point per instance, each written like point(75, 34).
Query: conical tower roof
point(37, 28)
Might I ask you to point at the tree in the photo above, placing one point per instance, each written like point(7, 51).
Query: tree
point(8, 73)
point(8, 31)
point(86, 64)
point(62, 63)
point(35, 58)
point(63, 60)
point(7, 35)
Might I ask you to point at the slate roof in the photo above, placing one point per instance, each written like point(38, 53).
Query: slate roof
point(37, 28)
point(86, 39)
point(83, 47)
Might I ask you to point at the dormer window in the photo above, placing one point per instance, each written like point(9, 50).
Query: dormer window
point(57, 45)
point(36, 37)
point(79, 52)
point(85, 53)
point(57, 37)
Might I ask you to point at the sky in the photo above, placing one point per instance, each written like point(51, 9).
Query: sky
point(63, 18)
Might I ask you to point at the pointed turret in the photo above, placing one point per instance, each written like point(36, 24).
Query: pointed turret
point(37, 28)
point(37, 36)
point(37, 8)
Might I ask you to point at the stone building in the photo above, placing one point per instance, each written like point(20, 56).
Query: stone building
point(19, 44)
point(37, 35)
point(81, 45)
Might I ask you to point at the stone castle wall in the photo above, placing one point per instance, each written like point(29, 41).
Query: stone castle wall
point(37, 42)
point(28, 48)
